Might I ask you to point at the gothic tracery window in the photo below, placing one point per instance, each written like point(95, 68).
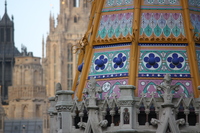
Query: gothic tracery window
point(8, 34)
point(152, 113)
point(192, 117)
point(2, 35)
point(142, 115)
point(108, 117)
point(54, 57)
point(75, 19)
point(77, 119)
point(69, 66)
point(116, 117)
point(25, 112)
point(181, 113)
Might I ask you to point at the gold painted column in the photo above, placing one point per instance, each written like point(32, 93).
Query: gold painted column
point(88, 56)
point(133, 69)
point(82, 54)
point(191, 49)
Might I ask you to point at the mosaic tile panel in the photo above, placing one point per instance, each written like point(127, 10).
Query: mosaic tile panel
point(194, 5)
point(198, 55)
point(158, 24)
point(116, 5)
point(195, 20)
point(110, 86)
point(157, 62)
point(161, 5)
point(162, 2)
point(149, 86)
point(110, 61)
point(115, 25)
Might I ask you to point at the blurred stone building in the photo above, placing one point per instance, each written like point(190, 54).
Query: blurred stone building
point(27, 94)
point(60, 63)
point(25, 82)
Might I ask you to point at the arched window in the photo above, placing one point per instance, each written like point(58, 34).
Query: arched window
point(2, 35)
point(25, 112)
point(181, 114)
point(26, 77)
point(85, 116)
point(36, 78)
point(54, 58)
point(192, 117)
point(142, 115)
point(116, 117)
point(77, 119)
point(152, 114)
point(13, 111)
point(38, 111)
point(108, 117)
point(8, 34)
point(18, 78)
point(69, 53)
point(75, 19)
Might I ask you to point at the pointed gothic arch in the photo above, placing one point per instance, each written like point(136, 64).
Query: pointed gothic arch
point(142, 115)
point(152, 113)
point(38, 111)
point(18, 78)
point(192, 117)
point(36, 77)
point(75, 19)
point(26, 77)
point(25, 112)
point(181, 113)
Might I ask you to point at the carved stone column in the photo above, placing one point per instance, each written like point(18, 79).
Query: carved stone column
point(167, 117)
point(126, 103)
point(53, 114)
point(63, 107)
point(93, 124)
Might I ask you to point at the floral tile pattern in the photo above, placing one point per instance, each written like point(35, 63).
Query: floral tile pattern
point(109, 62)
point(159, 24)
point(198, 56)
point(115, 25)
point(162, 2)
point(195, 20)
point(116, 5)
point(157, 62)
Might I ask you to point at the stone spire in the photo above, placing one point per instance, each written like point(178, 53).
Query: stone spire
point(43, 47)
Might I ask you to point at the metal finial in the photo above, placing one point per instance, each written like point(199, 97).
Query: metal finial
point(5, 6)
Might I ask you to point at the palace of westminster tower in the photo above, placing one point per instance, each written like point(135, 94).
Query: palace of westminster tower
point(60, 62)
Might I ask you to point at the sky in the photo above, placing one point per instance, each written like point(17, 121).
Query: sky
point(31, 20)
